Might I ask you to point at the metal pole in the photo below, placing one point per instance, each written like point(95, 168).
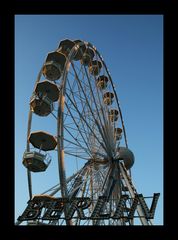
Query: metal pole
point(28, 149)
point(29, 179)
point(132, 191)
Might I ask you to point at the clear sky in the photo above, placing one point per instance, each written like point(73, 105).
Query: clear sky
point(132, 48)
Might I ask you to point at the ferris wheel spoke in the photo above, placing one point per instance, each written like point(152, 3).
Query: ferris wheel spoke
point(96, 121)
point(87, 125)
point(94, 89)
point(76, 140)
point(94, 95)
point(68, 126)
point(77, 152)
point(57, 187)
point(102, 123)
point(104, 112)
point(82, 112)
point(73, 110)
point(76, 155)
point(79, 130)
point(67, 101)
point(78, 183)
point(85, 110)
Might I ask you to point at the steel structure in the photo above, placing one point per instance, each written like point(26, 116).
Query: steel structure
point(74, 86)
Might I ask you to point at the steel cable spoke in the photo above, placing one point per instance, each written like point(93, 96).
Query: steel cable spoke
point(99, 128)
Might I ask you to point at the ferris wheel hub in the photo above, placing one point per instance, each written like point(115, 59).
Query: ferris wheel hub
point(127, 156)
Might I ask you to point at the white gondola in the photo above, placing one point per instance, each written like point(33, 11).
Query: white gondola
point(95, 67)
point(113, 115)
point(41, 106)
point(117, 133)
point(80, 50)
point(102, 82)
point(108, 98)
point(87, 57)
point(65, 46)
point(36, 161)
point(42, 140)
point(45, 94)
point(54, 65)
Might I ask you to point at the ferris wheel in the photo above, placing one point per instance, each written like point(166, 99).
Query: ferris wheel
point(75, 93)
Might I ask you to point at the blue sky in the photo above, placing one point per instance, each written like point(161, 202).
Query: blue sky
point(132, 48)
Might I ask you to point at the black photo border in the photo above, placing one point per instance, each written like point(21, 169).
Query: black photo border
point(7, 30)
